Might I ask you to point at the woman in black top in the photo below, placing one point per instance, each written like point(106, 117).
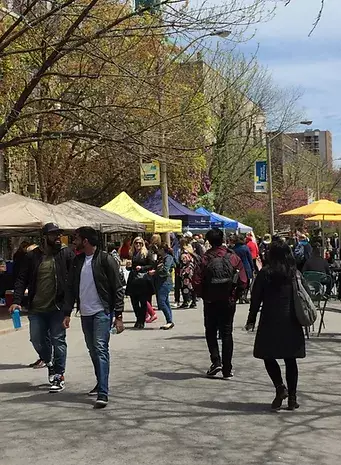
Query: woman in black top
point(139, 285)
point(279, 334)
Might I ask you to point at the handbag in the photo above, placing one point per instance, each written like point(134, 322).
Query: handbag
point(305, 308)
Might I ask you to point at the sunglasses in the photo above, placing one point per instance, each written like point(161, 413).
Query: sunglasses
point(138, 243)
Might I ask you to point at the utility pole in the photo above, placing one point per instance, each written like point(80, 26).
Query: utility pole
point(270, 187)
point(269, 175)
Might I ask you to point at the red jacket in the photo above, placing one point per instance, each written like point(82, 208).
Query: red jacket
point(253, 247)
point(210, 295)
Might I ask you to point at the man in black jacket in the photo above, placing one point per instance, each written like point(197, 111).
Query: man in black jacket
point(96, 286)
point(44, 272)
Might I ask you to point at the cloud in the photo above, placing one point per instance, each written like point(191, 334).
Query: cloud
point(312, 63)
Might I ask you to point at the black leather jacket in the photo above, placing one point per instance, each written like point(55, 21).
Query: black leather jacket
point(27, 277)
point(107, 280)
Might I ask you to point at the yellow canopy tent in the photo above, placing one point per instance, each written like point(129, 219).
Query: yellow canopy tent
point(125, 206)
point(324, 218)
point(320, 207)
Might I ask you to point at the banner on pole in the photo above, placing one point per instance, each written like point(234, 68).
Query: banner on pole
point(150, 173)
point(261, 176)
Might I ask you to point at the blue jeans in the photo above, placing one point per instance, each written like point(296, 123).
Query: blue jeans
point(96, 329)
point(48, 326)
point(162, 295)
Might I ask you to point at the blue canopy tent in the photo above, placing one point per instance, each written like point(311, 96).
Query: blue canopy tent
point(219, 221)
point(190, 219)
point(243, 228)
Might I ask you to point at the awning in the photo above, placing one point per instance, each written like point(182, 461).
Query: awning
point(23, 214)
point(219, 221)
point(99, 219)
point(177, 211)
point(125, 206)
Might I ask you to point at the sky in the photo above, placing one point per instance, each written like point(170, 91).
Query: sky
point(311, 63)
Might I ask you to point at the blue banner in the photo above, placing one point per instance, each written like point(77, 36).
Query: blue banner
point(261, 176)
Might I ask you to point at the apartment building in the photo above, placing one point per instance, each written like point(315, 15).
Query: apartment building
point(317, 142)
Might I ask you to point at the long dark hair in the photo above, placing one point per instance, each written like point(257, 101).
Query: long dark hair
point(282, 266)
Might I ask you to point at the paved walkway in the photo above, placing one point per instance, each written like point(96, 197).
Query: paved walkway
point(163, 410)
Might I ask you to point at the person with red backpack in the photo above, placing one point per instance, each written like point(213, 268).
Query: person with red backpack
point(219, 280)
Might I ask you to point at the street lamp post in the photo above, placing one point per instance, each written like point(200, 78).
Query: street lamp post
point(269, 173)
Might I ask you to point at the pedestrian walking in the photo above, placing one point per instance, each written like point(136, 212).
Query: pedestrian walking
point(187, 266)
point(302, 251)
point(140, 285)
point(244, 254)
point(264, 247)
point(164, 283)
point(18, 259)
point(254, 250)
point(44, 272)
point(177, 278)
point(95, 284)
point(218, 280)
point(279, 334)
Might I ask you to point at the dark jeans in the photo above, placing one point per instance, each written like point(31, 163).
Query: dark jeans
point(162, 295)
point(139, 304)
point(291, 373)
point(96, 329)
point(45, 327)
point(218, 316)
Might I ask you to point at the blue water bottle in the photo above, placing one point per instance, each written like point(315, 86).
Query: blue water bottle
point(16, 318)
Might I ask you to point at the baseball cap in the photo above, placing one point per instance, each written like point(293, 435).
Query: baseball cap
point(51, 228)
point(188, 234)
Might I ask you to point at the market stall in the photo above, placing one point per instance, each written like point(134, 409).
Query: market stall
point(100, 219)
point(190, 219)
point(125, 206)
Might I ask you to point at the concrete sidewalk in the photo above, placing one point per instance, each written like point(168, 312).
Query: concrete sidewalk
point(163, 410)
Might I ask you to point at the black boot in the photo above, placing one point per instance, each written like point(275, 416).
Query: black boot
point(292, 402)
point(281, 394)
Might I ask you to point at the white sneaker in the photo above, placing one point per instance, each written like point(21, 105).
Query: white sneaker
point(58, 384)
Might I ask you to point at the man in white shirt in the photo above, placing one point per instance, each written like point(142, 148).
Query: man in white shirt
point(96, 285)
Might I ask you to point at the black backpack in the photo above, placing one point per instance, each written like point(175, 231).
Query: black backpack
point(220, 272)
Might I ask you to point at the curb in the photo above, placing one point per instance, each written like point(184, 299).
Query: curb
point(12, 330)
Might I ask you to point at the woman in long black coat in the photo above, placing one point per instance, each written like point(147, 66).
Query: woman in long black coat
point(279, 334)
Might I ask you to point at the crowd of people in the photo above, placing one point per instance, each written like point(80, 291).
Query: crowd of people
point(221, 271)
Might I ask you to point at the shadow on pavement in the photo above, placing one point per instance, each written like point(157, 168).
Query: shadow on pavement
point(174, 376)
point(46, 397)
point(18, 387)
point(187, 338)
point(12, 366)
point(246, 407)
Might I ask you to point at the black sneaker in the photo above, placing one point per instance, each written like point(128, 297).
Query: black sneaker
point(93, 392)
point(51, 373)
point(184, 306)
point(213, 370)
point(193, 305)
point(58, 384)
point(101, 402)
point(228, 375)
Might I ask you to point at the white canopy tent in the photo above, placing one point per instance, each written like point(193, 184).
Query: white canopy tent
point(23, 215)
